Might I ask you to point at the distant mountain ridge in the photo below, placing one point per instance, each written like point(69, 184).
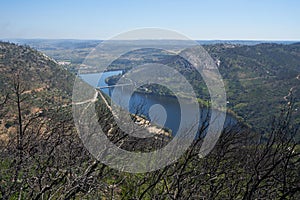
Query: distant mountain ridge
point(36, 43)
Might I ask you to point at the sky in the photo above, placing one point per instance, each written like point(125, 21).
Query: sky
point(197, 19)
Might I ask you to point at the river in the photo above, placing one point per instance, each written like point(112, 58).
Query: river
point(143, 103)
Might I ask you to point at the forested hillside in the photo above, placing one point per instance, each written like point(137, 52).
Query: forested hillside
point(259, 79)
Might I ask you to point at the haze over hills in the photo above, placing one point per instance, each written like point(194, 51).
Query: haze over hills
point(76, 50)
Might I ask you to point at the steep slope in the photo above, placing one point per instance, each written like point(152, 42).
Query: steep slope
point(40, 82)
point(37, 69)
point(259, 79)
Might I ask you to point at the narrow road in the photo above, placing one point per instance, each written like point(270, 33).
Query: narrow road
point(103, 98)
point(94, 99)
point(291, 90)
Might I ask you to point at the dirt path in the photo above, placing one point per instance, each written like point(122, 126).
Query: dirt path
point(291, 90)
point(103, 98)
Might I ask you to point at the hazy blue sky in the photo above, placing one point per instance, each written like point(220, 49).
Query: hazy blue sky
point(101, 19)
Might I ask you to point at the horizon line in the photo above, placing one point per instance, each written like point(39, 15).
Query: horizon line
point(90, 39)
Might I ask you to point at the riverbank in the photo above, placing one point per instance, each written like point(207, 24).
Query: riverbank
point(141, 121)
point(204, 104)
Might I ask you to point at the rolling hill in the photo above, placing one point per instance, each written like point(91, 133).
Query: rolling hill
point(42, 84)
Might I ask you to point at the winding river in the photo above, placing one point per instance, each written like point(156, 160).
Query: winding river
point(171, 116)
